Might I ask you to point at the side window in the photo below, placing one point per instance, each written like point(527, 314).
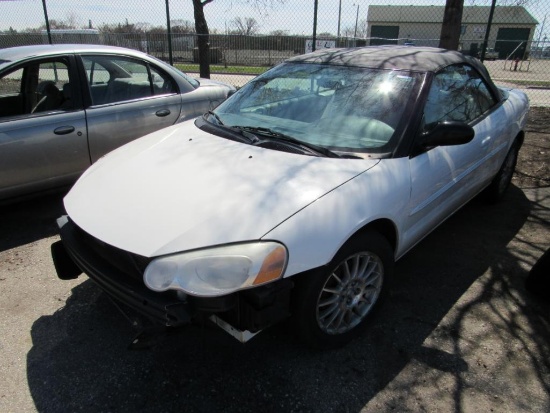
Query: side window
point(37, 87)
point(12, 94)
point(114, 79)
point(162, 83)
point(53, 89)
point(457, 93)
point(96, 73)
point(10, 84)
point(480, 91)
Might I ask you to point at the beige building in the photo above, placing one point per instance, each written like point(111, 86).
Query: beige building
point(511, 32)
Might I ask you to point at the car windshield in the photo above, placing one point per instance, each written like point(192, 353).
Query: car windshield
point(341, 108)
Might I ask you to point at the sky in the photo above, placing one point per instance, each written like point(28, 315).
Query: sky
point(294, 16)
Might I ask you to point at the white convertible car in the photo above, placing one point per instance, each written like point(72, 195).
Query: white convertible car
point(294, 197)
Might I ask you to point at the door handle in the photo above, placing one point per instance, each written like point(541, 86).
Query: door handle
point(162, 113)
point(485, 141)
point(63, 130)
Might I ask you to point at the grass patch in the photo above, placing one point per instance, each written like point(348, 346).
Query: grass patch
point(236, 70)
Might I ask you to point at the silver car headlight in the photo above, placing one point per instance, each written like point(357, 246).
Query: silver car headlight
point(218, 271)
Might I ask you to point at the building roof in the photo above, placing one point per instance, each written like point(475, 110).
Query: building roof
point(434, 14)
point(422, 59)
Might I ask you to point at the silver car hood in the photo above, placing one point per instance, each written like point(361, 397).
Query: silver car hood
point(181, 188)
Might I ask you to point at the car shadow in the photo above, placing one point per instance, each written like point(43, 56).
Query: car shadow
point(80, 361)
point(31, 220)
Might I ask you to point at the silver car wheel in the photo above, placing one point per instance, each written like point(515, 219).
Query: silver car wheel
point(349, 293)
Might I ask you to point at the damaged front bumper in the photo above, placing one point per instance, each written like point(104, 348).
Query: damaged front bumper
point(120, 274)
point(116, 272)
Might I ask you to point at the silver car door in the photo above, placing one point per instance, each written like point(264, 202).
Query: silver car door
point(129, 99)
point(43, 130)
point(445, 177)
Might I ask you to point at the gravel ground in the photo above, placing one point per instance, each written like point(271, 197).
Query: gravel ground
point(459, 333)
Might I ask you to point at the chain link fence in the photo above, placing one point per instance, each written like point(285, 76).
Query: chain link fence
point(249, 36)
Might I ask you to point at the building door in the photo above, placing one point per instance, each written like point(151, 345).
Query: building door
point(508, 39)
point(384, 35)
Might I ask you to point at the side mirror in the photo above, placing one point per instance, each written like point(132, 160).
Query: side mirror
point(447, 133)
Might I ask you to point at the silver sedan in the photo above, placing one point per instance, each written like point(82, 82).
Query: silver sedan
point(63, 107)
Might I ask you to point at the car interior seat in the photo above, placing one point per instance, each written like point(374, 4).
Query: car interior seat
point(50, 97)
point(67, 97)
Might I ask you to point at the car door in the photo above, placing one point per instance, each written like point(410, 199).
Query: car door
point(43, 141)
point(128, 98)
point(445, 177)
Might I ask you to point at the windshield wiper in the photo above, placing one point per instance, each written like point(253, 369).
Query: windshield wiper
point(219, 128)
point(269, 133)
point(215, 115)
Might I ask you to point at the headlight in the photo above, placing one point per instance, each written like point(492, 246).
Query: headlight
point(218, 271)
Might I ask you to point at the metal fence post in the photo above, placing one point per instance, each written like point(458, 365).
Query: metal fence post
point(169, 32)
point(314, 25)
point(489, 24)
point(47, 21)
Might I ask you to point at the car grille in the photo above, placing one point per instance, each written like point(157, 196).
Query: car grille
point(130, 264)
point(120, 274)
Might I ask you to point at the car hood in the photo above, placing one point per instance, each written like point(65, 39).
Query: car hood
point(181, 188)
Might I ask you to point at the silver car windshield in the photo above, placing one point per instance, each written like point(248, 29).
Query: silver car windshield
point(337, 107)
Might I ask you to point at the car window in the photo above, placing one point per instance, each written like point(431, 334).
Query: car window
point(11, 84)
point(114, 79)
point(457, 93)
point(193, 82)
point(36, 87)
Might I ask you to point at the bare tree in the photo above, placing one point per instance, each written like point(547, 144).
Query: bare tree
point(452, 20)
point(73, 20)
point(245, 26)
point(125, 28)
point(182, 26)
point(360, 32)
point(278, 32)
point(201, 28)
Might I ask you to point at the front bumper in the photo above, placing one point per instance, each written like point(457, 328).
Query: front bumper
point(117, 272)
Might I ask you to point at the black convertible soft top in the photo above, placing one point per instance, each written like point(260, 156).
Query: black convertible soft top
point(422, 59)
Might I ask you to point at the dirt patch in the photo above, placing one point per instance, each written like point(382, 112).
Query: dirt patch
point(533, 168)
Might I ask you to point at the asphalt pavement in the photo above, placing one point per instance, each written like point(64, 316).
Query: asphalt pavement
point(458, 334)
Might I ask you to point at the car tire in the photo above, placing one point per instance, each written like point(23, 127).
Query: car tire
point(500, 183)
point(332, 305)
